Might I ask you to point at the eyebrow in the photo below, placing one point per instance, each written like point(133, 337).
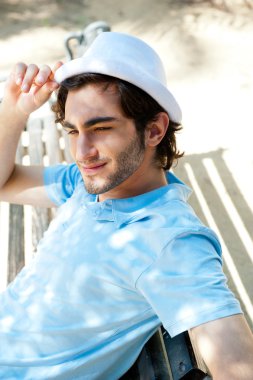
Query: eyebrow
point(91, 122)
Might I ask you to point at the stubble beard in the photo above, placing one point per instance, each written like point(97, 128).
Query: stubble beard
point(127, 162)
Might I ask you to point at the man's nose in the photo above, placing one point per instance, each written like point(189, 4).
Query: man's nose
point(85, 149)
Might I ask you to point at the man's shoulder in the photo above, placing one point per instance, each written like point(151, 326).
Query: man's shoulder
point(61, 181)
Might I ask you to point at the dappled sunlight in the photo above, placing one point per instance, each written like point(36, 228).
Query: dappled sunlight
point(188, 311)
point(221, 201)
point(71, 314)
point(120, 238)
point(8, 322)
point(34, 312)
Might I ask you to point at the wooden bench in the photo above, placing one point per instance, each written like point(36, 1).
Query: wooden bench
point(21, 227)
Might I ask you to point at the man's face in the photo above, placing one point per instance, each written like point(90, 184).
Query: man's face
point(103, 142)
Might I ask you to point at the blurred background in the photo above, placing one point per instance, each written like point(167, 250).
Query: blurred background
point(206, 47)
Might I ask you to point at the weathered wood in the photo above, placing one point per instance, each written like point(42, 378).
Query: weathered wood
point(52, 145)
point(16, 245)
point(40, 216)
point(16, 257)
point(40, 140)
point(67, 155)
point(35, 148)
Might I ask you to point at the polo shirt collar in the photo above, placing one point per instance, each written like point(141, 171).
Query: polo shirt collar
point(128, 210)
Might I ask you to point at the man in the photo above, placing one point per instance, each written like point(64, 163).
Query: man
point(125, 252)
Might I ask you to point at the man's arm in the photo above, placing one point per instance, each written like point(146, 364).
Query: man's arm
point(226, 346)
point(27, 89)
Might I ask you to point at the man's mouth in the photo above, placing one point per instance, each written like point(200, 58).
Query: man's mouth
point(92, 168)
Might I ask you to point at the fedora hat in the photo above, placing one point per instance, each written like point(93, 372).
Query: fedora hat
point(129, 58)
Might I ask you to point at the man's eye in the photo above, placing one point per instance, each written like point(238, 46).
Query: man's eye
point(72, 132)
point(101, 129)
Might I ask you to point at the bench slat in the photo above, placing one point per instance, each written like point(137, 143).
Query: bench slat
point(40, 216)
point(52, 146)
point(16, 244)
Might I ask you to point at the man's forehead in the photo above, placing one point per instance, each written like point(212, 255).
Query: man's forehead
point(100, 87)
point(99, 99)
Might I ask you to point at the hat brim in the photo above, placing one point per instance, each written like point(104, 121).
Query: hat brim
point(126, 72)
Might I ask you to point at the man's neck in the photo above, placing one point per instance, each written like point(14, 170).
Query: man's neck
point(139, 183)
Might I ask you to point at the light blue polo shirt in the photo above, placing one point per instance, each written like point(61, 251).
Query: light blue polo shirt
point(105, 276)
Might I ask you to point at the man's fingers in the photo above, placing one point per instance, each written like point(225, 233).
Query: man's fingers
point(45, 90)
point(43, 75)
point(19, 72)
point(28, 87)
point(15, 79)
point(25, 76)
point(55, 67)
point(30, 74)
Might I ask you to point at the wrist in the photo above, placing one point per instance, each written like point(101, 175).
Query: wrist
point(14, 117)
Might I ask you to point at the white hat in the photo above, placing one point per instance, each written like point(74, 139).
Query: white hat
point(129, 58)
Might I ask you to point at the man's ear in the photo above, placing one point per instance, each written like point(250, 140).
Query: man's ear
point(156, 130)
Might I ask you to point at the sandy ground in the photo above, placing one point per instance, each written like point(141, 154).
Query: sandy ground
point(207, 51)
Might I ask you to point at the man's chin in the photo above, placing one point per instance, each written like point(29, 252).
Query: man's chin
point(95, 189)
point(91, 189)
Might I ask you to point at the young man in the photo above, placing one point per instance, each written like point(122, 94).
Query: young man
point(125, 252)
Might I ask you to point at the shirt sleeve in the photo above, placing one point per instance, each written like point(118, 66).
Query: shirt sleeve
point(60, 182)
point(186, 285)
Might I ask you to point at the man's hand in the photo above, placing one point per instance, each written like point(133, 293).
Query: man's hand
point(28, 88)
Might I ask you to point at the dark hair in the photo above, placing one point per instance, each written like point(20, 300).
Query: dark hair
point(136, 104)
